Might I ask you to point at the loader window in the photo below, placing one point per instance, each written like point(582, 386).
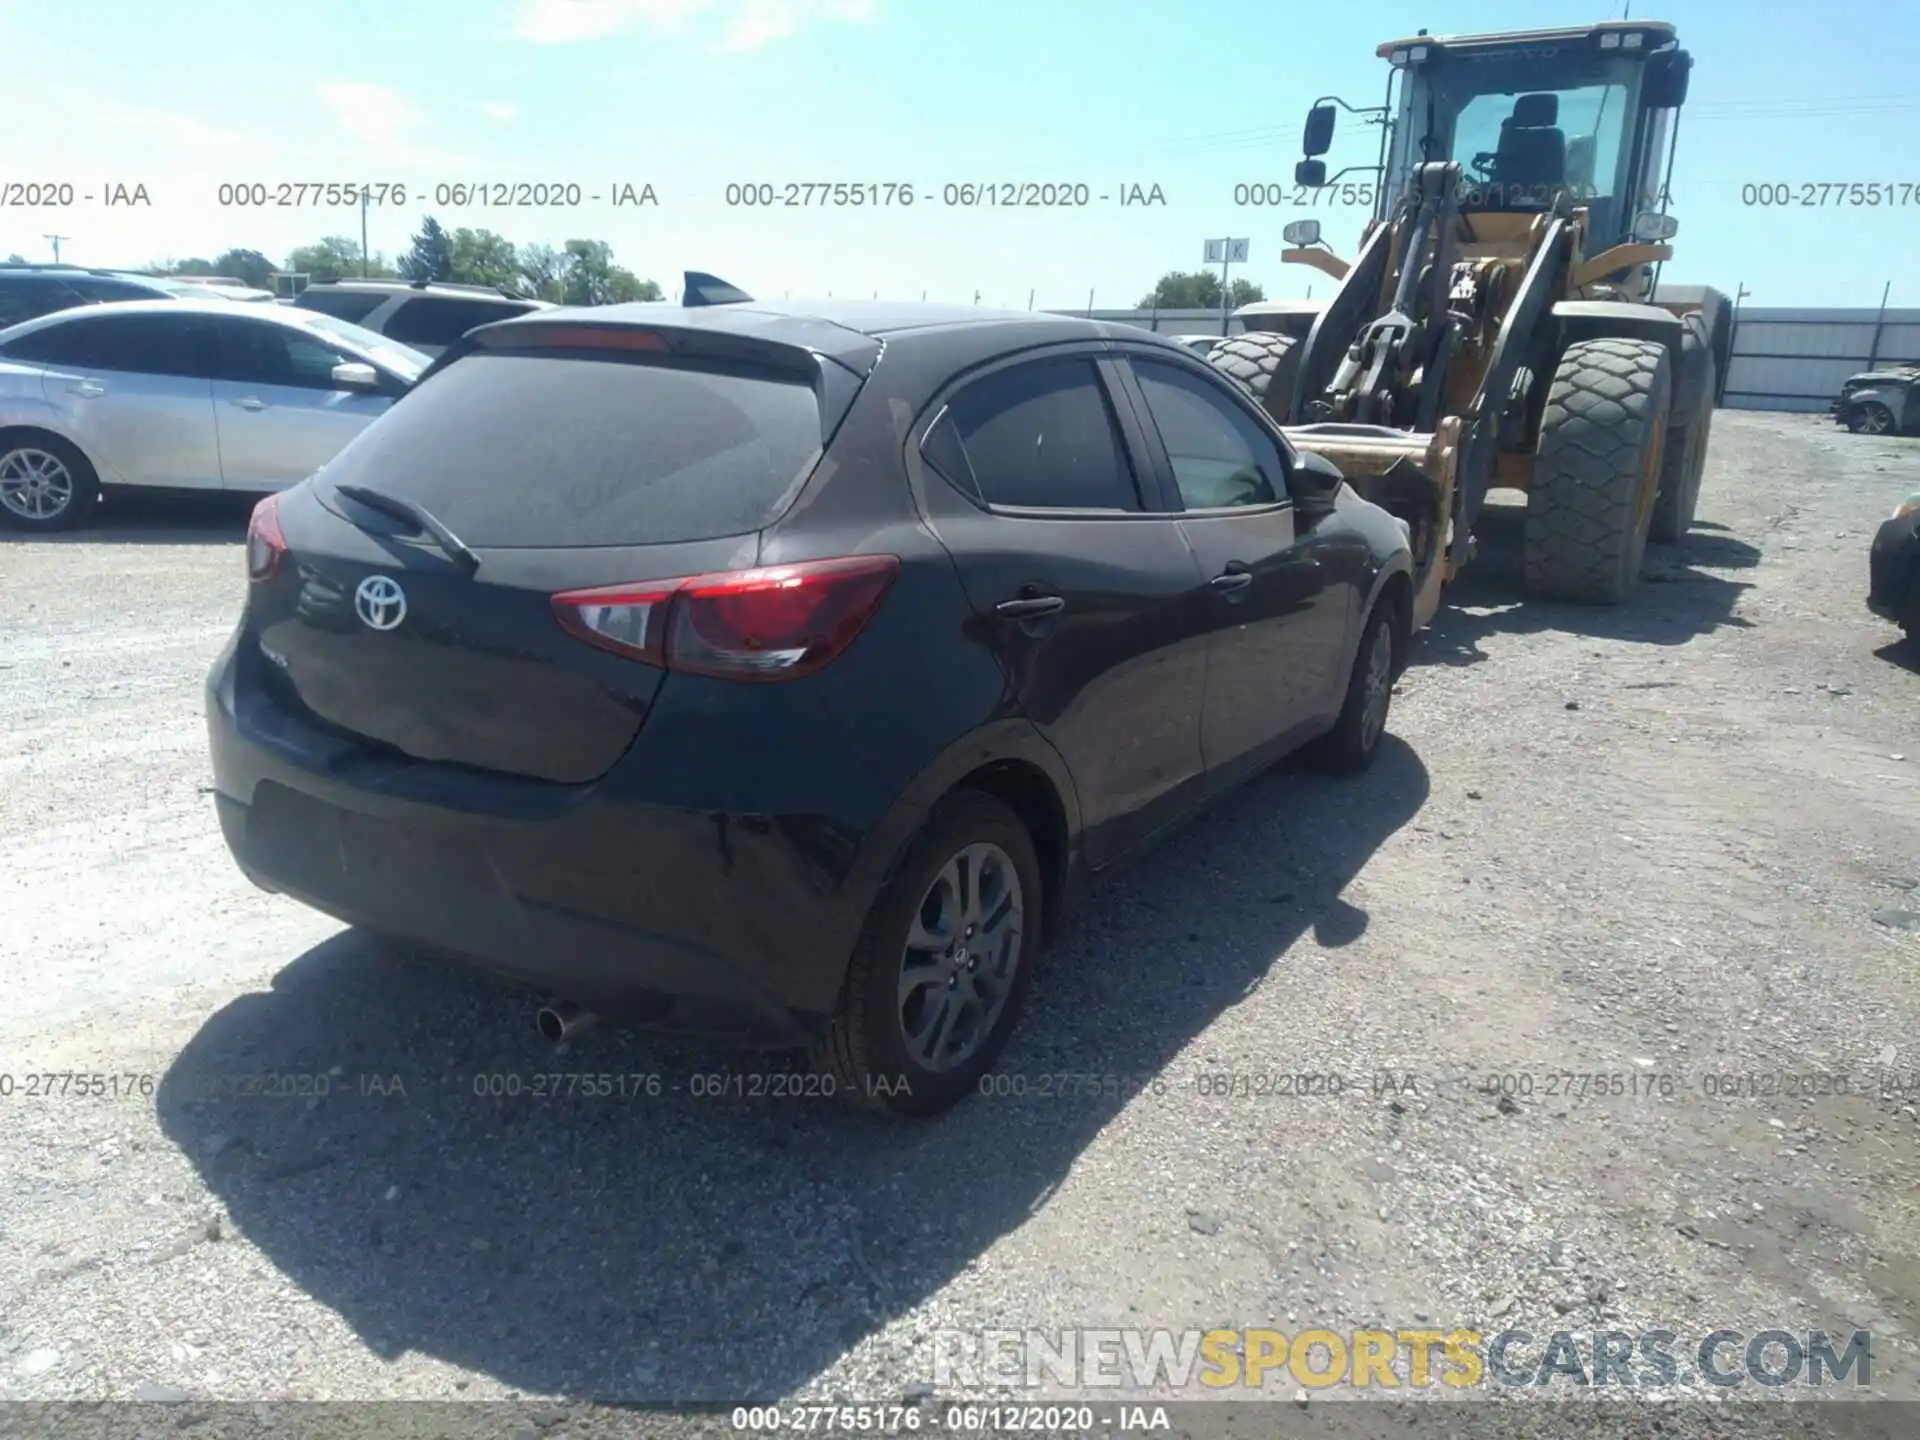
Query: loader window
point(1525, 123)
point(1512, 164)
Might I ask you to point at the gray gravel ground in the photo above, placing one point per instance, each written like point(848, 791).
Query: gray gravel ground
point(1667, 842)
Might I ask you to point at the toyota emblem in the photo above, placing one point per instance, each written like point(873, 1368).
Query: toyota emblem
point(380, 603)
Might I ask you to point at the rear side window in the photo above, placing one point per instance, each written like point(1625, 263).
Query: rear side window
point(28, 297)
point(133, 344)
point(1039, 435)
point(348, 305)
point(427, 320)
point(535, 451)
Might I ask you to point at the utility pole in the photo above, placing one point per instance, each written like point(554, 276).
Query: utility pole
point(56, 239)
point(1879, 325)
point(363, 232)
point(1029, 299)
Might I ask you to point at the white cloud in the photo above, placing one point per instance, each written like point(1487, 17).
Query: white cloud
point(742, 24)
point(556, 22)
point(494, 110)
point(372, 114)
point(382, 125)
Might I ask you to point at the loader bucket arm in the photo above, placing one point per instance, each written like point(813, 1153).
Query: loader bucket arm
point(1339, 325)
point(1525, 341)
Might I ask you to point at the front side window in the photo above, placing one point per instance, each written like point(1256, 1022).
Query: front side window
point(1221, 459)
point(257, 353)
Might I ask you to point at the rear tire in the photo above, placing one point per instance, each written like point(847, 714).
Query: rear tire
point(869, 1049)
point(1681, 471)
point(46, 484)
point(1596, 471)
point(1266, 363)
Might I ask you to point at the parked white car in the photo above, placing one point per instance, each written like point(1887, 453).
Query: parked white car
point(181, 395)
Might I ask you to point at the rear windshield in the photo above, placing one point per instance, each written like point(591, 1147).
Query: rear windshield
point(534, 451)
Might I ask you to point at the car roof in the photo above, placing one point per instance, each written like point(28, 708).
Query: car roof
point(439, 289)
point(271, 314)
point(74, 272)
point(842, 328)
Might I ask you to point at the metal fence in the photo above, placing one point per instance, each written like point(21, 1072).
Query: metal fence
point(1783, 358)
point(1789, 359)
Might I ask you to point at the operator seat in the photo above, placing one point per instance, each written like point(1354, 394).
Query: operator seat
point(1533, 149)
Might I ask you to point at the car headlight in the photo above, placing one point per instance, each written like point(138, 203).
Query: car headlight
point(1908, 506)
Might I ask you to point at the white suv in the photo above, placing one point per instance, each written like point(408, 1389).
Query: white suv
point(428, 315)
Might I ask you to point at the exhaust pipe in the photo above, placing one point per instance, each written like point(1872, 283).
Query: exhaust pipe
point(564, 1021)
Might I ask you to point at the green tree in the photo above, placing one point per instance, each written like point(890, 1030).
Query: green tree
point(482, 257)
point(431, 257)
point(193, 266)
point(1199, 290)
point(248, 265)
point(16, 258)
point(591, 277)
point(542, 271)
point(337, 258)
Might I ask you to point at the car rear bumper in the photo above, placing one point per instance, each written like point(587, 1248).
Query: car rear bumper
point(1893, 567)
point(732, 926)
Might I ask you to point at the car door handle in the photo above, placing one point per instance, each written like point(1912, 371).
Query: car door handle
point(91, 389)
point(1031, 607)
point(1233, 581)
point(251, 402)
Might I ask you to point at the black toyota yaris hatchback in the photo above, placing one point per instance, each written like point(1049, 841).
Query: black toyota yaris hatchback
point(778, 672)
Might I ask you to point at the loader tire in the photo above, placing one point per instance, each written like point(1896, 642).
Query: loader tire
point(1681, 471)
point(1597, 470)
point(1266, 363)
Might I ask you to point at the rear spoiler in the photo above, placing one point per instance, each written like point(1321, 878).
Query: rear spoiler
point(704, 289)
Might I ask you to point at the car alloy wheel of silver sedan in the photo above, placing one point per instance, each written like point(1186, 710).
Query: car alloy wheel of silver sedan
point(963, 954)
point(34, 484)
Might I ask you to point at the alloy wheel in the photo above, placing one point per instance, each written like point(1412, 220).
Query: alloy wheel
point(34, 484)
point(962, 956)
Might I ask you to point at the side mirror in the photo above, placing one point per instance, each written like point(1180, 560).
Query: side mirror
point(1319, 134)
point(1650, 227)
point(1665, 86)
point(1310, 174)
point(355, 376)
point(1315, 484)
point(1301, 233)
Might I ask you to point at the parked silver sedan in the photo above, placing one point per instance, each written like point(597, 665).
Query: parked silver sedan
point(182, 395)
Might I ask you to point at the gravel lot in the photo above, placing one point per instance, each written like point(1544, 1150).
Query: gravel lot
point(1669, 842)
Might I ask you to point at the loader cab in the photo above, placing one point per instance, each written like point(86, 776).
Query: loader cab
point(1529, 115)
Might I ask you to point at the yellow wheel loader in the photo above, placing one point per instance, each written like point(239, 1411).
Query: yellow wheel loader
point(1498, 327)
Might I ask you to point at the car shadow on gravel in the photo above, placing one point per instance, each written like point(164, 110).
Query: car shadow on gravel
point(1903, 653)
point(1681, 595)
point(678, 1248)
point(153, 518)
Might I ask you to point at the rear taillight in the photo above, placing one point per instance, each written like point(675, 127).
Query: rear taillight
point(775, 623)
point(265, 543)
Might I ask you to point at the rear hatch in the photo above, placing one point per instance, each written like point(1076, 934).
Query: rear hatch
point(405, 594)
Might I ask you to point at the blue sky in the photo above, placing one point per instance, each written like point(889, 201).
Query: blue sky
point(689, 95)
